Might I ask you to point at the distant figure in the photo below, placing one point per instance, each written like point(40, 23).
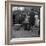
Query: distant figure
point(36, 21)
point(26, 22)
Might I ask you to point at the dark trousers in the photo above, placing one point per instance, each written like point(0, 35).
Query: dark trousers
point(26, 26)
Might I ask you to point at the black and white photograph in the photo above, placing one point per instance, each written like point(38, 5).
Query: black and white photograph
point(25, 21)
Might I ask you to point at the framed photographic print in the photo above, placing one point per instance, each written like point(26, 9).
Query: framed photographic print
point(24, 22)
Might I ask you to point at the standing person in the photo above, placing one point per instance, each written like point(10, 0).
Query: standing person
point(26, 22)
point(36, 21)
